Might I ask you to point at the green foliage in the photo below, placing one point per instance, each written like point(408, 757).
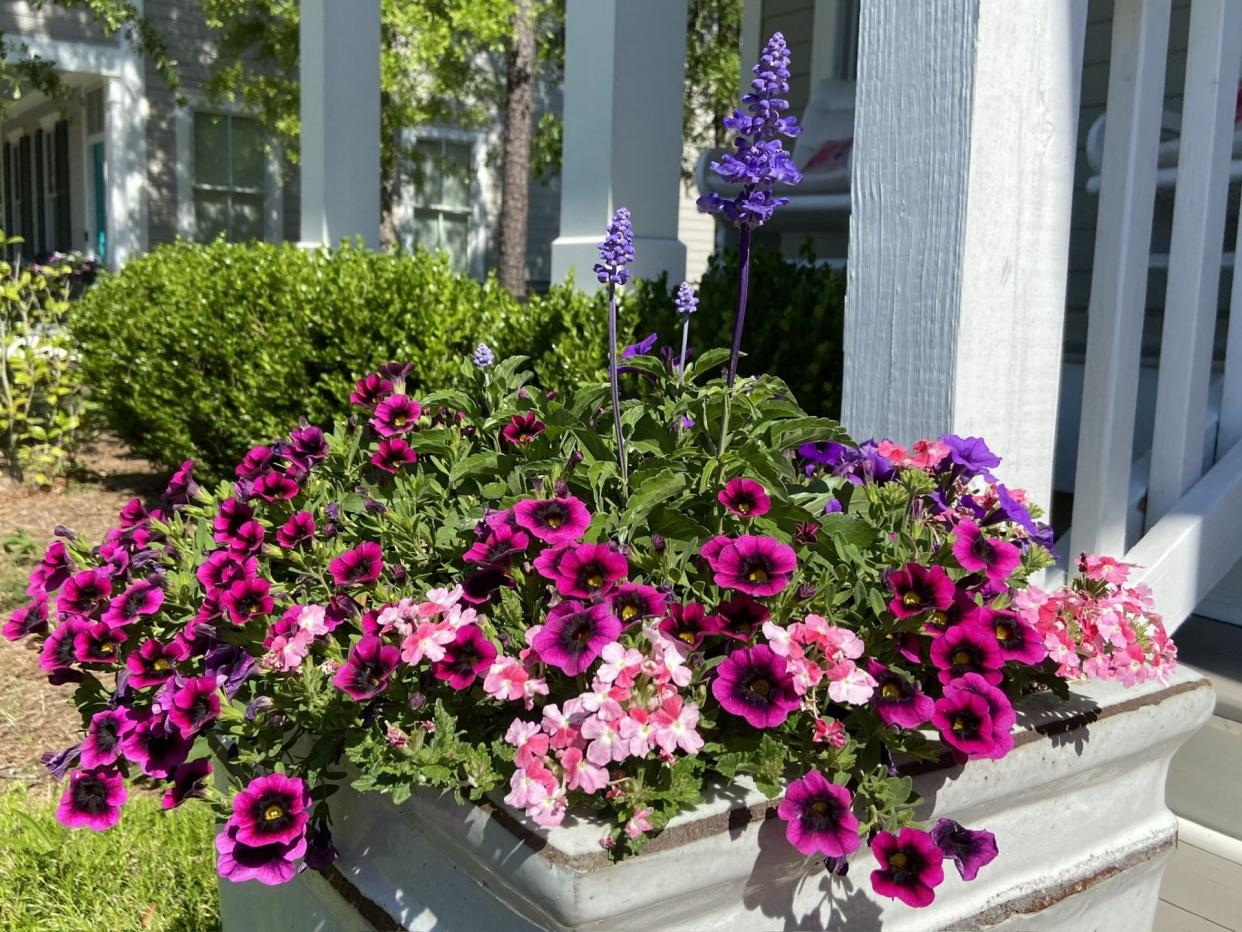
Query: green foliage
point(153, 871)
point(40, 382)
point(794, 321)
point(713, 62)
point(235, 342)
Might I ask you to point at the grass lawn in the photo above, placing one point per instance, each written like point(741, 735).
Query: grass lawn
point(153, 871)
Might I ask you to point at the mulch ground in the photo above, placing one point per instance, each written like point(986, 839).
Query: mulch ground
point(34, 716)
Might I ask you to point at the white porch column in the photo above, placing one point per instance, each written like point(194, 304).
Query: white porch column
point(340, 111)
point(624, 71)
point(125, 162)
point(965, 136)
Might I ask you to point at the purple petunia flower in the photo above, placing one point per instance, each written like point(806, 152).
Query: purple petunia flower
point(272, 809)
point(153, 664)
point(59, 762)
point(753, 683)
point(481, 587)
point(364, 675)
point(133, 514)
point(522, 429)
point(1013, 510)
point(689, 624)
point(156, 748)
point(631, 601)
point(370, 390)
point(1019, 642)
point(819, 818)
point(59, 651)
point(899, 702)
point(221, 569)
point(466, 659)
point(85, 593)
point(248, 599)
point(142, 598)
point(553, 520)
point(392, 454)
point(971, 850)
point(257, 461)
point(363, 564)
point(272, 864)
point(970, 455)
point(104, 735)
point(93, 799)
point(741, 616)
point(583, 570)
point(307, 446)
point(320, 852)
point(967, 648)
point(745, 498)
point(642, 348)
point(29, 619)
point(298, 530)
point(195, 705)
point(910, 866)
point(975, 718)
point(757, 565)
point(975, 553)
point(189, 781)
point(396, 414)
point(230, 516)
point(761, 161)
point(917, 589)
point(53, 569)
point(616, 251)
point(574, 634)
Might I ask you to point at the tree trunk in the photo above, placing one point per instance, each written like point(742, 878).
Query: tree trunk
point(519, 102)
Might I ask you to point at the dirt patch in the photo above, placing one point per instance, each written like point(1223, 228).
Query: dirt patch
point(34, 716)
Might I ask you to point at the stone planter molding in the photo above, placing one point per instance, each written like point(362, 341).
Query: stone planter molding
point(1077, 808)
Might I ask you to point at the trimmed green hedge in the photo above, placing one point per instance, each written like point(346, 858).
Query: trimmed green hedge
point(795, 320)
point(200, 352)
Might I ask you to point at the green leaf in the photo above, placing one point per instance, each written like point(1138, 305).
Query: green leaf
point(787, 435)
point(652, 492)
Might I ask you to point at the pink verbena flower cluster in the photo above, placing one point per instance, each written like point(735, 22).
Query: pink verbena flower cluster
point(1099, 627)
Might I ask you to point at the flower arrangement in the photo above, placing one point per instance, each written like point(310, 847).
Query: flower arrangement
point(601, 602)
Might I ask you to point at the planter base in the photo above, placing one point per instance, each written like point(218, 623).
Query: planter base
point(1077, 808)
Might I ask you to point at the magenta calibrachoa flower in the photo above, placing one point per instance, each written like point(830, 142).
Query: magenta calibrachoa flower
point(994, 557)
point(468, 657)
point(968, 648)
point(910, 866)
point(93, 799)
point(975, 718)
point(583, 570)
point(154, 663)
point(396, 414)
point(574, 635)
point(689, 623)
point(819, 818)
point(918, 589)
point(297, 531)
point(553, 520)
point(392, 454)
point(757, 565)
point(266, 834)
point(898, 701)
point(195, 705)
point(522, 429)
point(970, 850)
point(745, 498)
point(363, 564)
point(753, 683)
point(189, 782)
point(631, 602)
point(142, 598)
point(102, 747)
point(365, 673)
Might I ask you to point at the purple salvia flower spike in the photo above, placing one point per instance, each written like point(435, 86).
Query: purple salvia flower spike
point(615, 253)
point(686, 303)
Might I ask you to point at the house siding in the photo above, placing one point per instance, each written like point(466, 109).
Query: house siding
point(18, 17)
point(795, 20)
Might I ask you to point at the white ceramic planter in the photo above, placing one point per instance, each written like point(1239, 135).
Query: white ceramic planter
point(1077, 808)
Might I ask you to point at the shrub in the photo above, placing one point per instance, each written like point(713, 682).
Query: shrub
point(40, 382)
point(234, 341)
point(794, 323)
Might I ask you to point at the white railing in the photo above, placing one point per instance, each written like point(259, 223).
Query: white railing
point(1193, 521)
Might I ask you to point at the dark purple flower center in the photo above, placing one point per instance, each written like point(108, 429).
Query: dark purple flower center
point(966, 658)
point(756, 569)
point(106, 734)
point(552, 515)
point(981, 549)
point(63, 654)
point(965, 725)
point(201, 710)
point(90, 796)
point(577, 633)
point(1007, 633)
point(905, 865)
point(822, 815)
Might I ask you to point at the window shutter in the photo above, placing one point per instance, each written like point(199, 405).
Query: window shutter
point(26, 220)
point(40, 195)
point(8, 189)
point(60, 142)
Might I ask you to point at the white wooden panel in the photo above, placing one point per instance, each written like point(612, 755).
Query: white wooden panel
point(1231, 397)
point(1196, 543)
point(965, 135)
point(1119, 278)
point(1215, 44)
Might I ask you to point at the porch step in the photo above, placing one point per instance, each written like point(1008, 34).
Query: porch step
point(1214, 648)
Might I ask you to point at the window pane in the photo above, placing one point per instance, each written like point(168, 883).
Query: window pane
point(426, 230)
point(455, 172)
point(249, 160)
point(211, 214)
point(425, 173)
point(211, 150)
point(456, 232)
point(247, 217)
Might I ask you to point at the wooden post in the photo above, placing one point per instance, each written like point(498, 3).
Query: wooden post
point(624, 71)
point(340, 111)
point(965, 137)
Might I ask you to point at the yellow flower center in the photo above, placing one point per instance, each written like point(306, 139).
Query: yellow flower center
point(1004, 632)
point(911, 599)
point(898, 860)
point(628, 612)
point(273, 812)
point(760, 687)
point(938, 618)
point(890, 690)
point(743, 507)
point(554, 521)
point(820, 807)
point(961, 658)
point(758, 574)
point(160, 664)
point(594, 581)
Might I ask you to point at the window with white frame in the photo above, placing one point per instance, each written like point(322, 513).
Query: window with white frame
point(442, 175)
point(230, 170)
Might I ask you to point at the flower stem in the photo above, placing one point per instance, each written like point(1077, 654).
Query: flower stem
point(614, 379)
point(685, 337)
point(743, 290)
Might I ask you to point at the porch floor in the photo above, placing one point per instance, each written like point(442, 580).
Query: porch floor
point(1202, 891)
